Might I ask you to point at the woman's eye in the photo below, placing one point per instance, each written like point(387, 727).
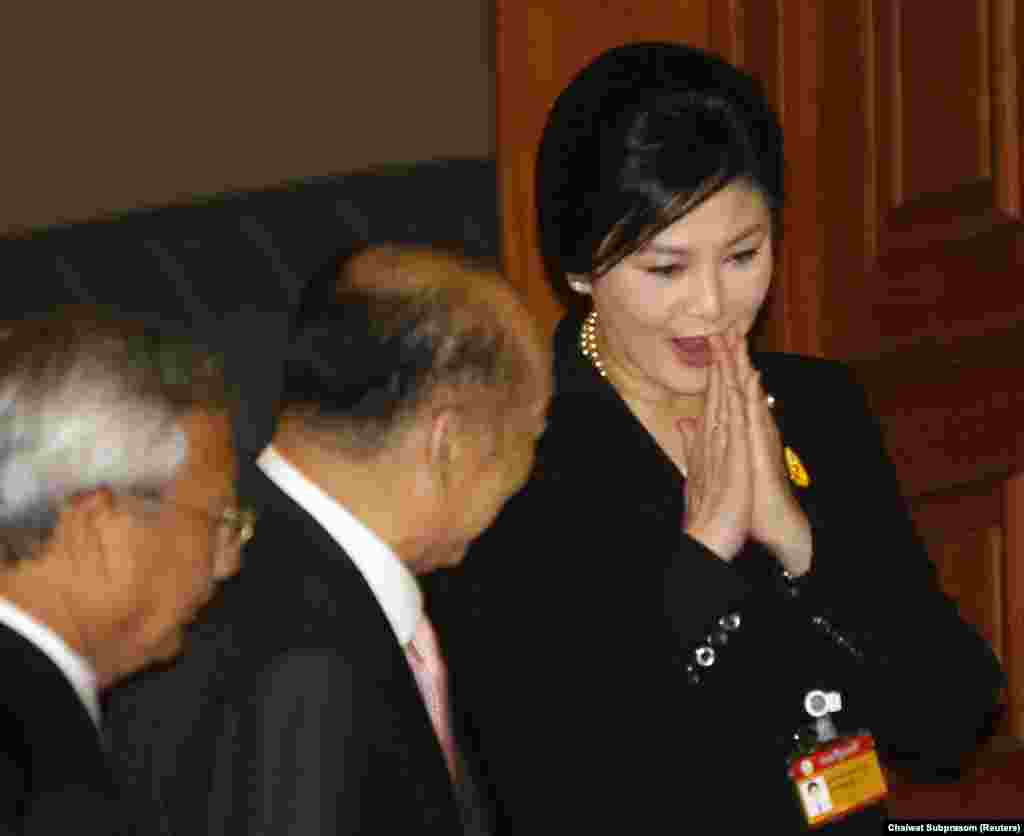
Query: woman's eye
point(664, 271)
point(745, 256)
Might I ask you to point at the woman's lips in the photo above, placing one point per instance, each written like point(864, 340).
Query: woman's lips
point(694, 352)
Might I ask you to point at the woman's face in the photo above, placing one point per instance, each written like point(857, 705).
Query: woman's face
point(708, 273)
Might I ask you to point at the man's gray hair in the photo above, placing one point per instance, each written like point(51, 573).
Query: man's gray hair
point(90, 401)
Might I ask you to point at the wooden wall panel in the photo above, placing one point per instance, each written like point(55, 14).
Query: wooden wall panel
point(953, 412)
point(965, 536)
point(935, 143)
point(942, 175)
point(918, 203)
point(926, 301)
point(927, 115)
point(794, 318)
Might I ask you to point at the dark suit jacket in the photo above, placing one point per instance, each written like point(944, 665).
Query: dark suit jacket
point(574, 624)
point(293, 710)
point(54, 777)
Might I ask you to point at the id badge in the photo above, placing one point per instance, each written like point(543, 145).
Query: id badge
point(837, 778)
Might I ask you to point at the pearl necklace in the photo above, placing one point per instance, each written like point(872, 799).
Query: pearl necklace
point(588, 343)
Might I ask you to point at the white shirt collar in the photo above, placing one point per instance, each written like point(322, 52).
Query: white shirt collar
point(390, 580)
point(75, 668)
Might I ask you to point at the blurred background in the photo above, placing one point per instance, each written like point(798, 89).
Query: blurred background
point(111, 105)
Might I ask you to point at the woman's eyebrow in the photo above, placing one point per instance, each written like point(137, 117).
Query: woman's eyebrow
point(669, 249)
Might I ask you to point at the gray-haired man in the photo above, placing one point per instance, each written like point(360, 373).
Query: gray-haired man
point(117, 519)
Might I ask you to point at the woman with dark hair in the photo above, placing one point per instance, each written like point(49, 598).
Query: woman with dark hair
point(708, 536)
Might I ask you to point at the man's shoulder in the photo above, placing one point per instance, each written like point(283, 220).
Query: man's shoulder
point(302, 596)
point(35, 689)
point(48, 742)
point(291, 561)
point(254, 649)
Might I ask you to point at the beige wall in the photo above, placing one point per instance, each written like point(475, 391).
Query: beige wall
point(108, 105)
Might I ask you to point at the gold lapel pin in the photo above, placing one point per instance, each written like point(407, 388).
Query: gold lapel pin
point(798, 474)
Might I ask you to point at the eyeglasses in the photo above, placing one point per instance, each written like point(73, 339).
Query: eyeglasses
point(234, 527)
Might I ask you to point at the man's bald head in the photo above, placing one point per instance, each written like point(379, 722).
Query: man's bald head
point(397, 328)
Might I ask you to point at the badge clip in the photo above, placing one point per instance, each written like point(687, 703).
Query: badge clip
point(834, 776)
point(821, 705)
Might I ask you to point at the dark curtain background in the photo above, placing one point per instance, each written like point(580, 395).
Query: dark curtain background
point(228, 269)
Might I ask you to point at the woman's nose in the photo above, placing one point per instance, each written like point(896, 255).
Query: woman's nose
point(704, 299)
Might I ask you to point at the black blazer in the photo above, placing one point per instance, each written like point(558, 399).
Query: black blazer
point(293, 710)
point(574, 624)
point(54, 777)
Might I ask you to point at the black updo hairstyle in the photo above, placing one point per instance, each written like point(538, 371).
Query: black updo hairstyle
point(641, 136)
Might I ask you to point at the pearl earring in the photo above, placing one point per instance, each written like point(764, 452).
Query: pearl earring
point(581, 286)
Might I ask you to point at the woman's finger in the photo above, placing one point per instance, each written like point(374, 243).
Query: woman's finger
point(713, 400)
point(743, 364)
point(688, 430)
point(730, 364)
point(753, 394)
point(737, 408)
point(761, 416)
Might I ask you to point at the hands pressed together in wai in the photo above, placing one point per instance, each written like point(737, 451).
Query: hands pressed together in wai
point(737, 487)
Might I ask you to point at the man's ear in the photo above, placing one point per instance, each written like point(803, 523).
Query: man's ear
point(442, 442)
